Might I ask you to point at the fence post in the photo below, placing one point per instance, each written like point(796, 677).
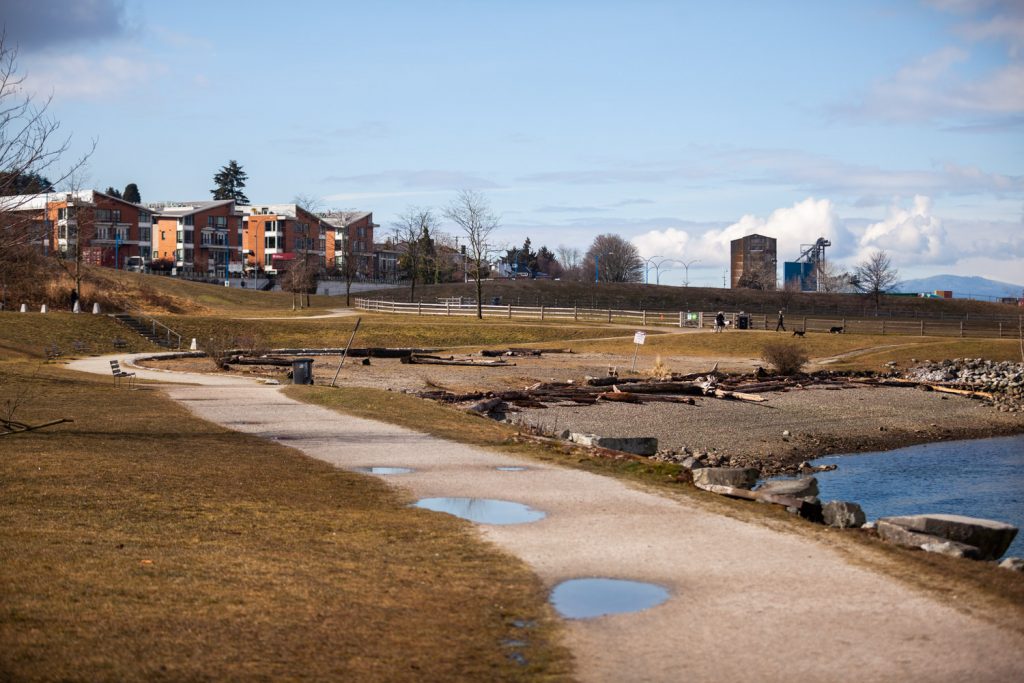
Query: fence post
point(844, 324)
point(575, 312)
point(1000, 329)
point(644, 318)
point(510, 311)
point(609, 315)
point(542, 311)
point(805, 322)
point(680, 318)
point(883, 327)
point(448, 308)
point(961, 328)
point(922, 327)
point(419, 308)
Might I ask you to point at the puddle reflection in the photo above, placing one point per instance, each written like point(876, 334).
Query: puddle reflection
point(588, 598)
point(386, 470)
point(483, 510)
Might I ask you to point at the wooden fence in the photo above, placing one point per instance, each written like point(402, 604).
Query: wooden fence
point(706, 319)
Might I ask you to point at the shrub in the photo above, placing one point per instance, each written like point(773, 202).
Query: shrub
point(660, 370)
point(785, 356)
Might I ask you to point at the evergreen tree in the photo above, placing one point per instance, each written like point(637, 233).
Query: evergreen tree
point(131, 193)
point(229, 182)
point(13, 182)
point(112, 192)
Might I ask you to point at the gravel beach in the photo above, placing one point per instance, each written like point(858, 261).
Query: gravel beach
point(819, 420)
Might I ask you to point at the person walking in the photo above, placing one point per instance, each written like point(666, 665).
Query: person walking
point(781, 325)
point(720, 322)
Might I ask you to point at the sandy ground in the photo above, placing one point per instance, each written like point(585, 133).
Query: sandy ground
point(820, 421)
point(746, 602)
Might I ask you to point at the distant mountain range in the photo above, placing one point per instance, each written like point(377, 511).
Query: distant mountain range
point(963, 287)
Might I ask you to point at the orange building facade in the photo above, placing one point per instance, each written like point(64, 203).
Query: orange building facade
point(276, 235)
point(200, 238)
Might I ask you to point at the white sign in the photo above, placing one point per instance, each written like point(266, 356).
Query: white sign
point(639, 337)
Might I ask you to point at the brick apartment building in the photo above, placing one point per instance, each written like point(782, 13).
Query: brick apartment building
point(200, 238)
point(103, 230)
point(353, 235)
point(277, 235)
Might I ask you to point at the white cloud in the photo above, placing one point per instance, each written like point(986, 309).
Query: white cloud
point(913, 234)
point(81, 77)
point(802, 223)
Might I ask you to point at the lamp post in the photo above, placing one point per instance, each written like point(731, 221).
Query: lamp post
point(686, 266)
point(647, 266)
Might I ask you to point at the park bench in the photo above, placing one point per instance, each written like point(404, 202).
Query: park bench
point(119, 374)
point(53, 352)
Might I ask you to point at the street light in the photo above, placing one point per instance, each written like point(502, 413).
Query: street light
point(647, 267)
point(686, 265)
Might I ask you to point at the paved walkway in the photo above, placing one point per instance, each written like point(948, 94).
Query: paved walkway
point(747, 603)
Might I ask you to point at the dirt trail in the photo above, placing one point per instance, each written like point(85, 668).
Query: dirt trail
point(746, 602)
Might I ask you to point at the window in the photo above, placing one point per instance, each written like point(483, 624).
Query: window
point(163, 235)
point(270, 242)
point(116, 215)
point(102, 215)
point(188, 255)
point(187, 220)
point(145, 234)
point(188, 237)
point(266, 259)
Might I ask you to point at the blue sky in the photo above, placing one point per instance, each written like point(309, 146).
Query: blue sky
point(678, 125)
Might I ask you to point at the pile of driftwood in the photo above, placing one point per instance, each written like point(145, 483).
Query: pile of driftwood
point(592, 390)
point(678, 389)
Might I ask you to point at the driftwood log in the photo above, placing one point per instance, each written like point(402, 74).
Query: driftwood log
point(12, 427)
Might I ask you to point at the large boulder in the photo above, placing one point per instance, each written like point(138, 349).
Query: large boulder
point(737, 477)
point(991, 538)
point(805, 487)
point(899, 535)
point(637, 445)
point(843, 515)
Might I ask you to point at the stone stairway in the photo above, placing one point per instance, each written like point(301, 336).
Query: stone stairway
point(154, 332)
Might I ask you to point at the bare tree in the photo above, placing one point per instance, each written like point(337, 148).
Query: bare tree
point(875, 275)
point(758, 275)
point(472, 212)
point(613, 259)
point(410, 228)
point(832, 279)
point(30, 147)
point(571, 260)
point(301, 278)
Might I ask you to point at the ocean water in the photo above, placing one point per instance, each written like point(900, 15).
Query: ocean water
point(977, 478)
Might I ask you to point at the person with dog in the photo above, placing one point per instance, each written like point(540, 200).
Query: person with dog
point(781, 324)
point(720, 322)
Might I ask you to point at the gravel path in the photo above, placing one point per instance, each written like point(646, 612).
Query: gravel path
point(745, 601)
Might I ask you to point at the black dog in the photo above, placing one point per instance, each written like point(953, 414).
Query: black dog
point(835, 330)
point(798, 333)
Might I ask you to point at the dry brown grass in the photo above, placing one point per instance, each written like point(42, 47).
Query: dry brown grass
point(140, 543)
point(33, 333)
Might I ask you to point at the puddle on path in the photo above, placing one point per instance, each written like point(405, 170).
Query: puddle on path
point(588, 598)
point(511, 468)
point(483, 510)
point(386, 470)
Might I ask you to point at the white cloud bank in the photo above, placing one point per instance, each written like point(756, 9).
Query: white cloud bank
point(911, 233)
point(802, 223)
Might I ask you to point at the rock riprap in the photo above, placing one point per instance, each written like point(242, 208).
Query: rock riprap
point(970, 536)
point(1003, 379)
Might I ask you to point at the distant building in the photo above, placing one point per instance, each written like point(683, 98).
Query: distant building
point(101, 229)
point(353, 237)
point(276, 235)
point(201, 238)
point(754, 262)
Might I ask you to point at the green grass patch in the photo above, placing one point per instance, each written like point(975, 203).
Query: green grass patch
point(141, 543)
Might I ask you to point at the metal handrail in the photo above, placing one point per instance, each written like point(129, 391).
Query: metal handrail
point(137, 313)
